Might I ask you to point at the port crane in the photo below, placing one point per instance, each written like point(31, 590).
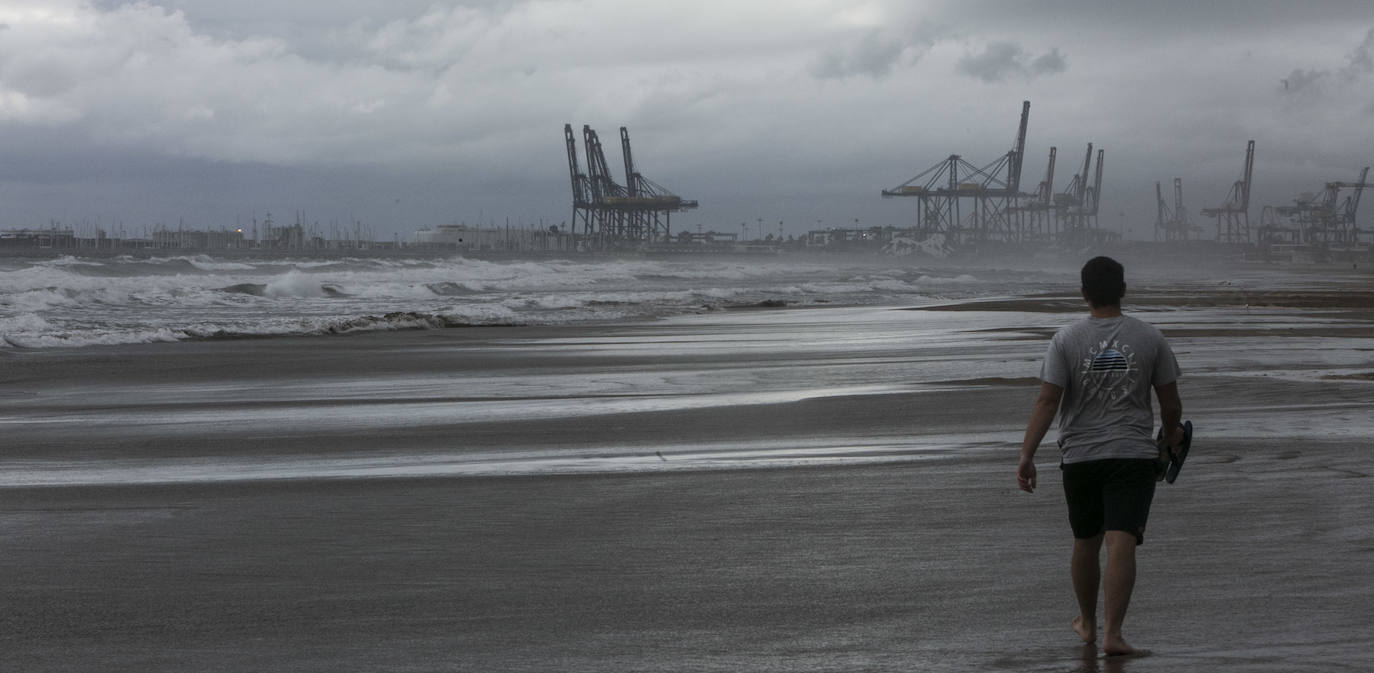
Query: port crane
point(608, 213)
point(1036, 220)
point(1077, 206)
point(963, 202)
point(1233, 216)
point(1172, 224)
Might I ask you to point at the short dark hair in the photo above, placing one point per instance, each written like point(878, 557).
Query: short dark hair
point(1104, 281)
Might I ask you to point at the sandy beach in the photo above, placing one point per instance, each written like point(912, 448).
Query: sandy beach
point(764, 490)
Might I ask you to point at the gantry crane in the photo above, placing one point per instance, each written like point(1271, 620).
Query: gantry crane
point(1035, 220)
point(648, 204)
point(1351, 207)
point(610, 213)
point(990, 192)
point(1233, 216)
point(1172, 224)
point(1344, 229)
point(1094, 194)
point(1076, 208)
point(584, 205)
point(1071, 205)
point(1325, 219)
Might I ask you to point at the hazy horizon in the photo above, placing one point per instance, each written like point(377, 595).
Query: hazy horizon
point(406, 115)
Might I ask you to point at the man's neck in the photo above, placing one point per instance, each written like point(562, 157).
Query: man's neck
point(1105, 311)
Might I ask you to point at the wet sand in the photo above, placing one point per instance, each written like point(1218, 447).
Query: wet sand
point(898, 541)
point(1256, 561)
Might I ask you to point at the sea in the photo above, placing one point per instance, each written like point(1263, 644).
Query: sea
point(71, 302)
point(345, 360)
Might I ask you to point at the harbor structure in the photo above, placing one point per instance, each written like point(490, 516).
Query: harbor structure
point(1173, 223)
point(964, 203)
point(606, 214)
point(1233, 216)
point(1327, 218)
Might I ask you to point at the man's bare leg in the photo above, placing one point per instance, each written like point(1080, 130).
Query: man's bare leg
point(1086, 573)
point(1116, 589)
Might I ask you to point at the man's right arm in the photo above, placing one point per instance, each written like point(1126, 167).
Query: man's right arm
point(1170, 412)
point(1042, 416)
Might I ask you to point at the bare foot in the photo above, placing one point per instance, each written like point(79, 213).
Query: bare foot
point(1117, 647)
point(1085, 630)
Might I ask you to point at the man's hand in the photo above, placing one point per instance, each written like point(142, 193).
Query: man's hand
point(1170, 414)
point(1174, 437)
point(1025, 475)
point(1046, 405)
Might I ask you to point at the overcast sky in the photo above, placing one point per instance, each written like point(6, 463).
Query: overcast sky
point(409, 113)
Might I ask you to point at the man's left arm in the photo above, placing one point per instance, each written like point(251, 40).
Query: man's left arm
point(1164, 380)
point(1170, 412)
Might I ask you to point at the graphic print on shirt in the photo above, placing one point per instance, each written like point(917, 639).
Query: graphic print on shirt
point(1108, 370)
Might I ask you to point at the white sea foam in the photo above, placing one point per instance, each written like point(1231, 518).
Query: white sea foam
point(946, 280)
point(23, 323)
point(206, 263)
point(294, 284)
point(61, 339)
point(68, 260)
point(130, 300)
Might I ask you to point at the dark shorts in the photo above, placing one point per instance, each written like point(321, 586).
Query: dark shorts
point(1111, 494)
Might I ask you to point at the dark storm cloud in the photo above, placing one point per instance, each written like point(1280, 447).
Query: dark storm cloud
point(1002, 60)
point(1158, 21)
point(456, 108)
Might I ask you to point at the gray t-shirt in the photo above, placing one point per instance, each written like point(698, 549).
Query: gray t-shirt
point(1107, 368)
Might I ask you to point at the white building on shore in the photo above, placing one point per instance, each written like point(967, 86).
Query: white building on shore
point(462, 236)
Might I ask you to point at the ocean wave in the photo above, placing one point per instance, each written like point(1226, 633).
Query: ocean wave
point(395, 321)
point(72, 302)
point(293, 284)
point(68, 260)
point(448, 288)
point(74, 340)
point(206, 263)
point(252, 289)
point(32, 332)
point(946, 280)
point(24, 323)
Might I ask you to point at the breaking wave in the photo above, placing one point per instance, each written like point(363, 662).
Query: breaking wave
point(72, 301)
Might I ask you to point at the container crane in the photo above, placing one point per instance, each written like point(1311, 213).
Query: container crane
point(1324, 219)
point(1233, 216)
point(609, 213)
point(1036, 210)
point(1172, 224)
point(953, 187)
point(1069, 205)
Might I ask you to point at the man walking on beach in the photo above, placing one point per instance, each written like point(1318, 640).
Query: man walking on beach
point(1097, 376)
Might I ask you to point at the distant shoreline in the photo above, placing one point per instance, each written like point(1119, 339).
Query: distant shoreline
point(985, 255)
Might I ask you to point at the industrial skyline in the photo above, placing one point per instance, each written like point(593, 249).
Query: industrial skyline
point(404, 115)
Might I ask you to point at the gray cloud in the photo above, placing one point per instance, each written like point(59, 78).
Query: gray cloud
point(1147, 22)
point(1002, 60)
point(1361, 60)
point(998, 60)
point(1358, 63)
point(1300, 81)
point(1049, 63)
point(158, 109)
point(873, 54)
